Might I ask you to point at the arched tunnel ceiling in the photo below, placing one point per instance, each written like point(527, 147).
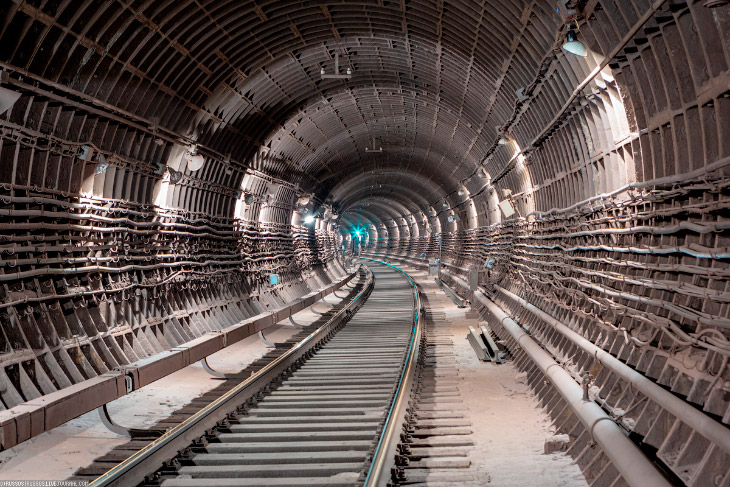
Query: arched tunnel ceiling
point(243, 77)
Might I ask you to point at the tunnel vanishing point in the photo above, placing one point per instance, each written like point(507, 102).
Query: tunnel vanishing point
point(178, 175)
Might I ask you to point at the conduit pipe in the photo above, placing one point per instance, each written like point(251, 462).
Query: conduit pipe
point(634, 466)
point(716, 432)
point(461, 282)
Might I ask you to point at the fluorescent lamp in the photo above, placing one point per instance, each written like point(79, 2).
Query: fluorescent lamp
point(573, 45)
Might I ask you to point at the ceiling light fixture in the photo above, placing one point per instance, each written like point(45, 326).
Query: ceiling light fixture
point(379, 149)
point(337, 75)
point(194, 160)
point(573, 45)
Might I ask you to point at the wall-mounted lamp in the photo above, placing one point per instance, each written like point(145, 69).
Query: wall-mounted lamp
point(573, 45)
point(194, 160)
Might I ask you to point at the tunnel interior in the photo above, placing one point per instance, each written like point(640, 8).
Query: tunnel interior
point(164, 162)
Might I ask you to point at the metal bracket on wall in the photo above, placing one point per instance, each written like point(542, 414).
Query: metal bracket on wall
point(311, 308)
point(294, 323)
point(220, 375)
point(266, 341)
point(107, 421)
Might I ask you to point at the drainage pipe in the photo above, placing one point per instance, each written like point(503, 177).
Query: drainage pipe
point(636, 469)
point(714, 431)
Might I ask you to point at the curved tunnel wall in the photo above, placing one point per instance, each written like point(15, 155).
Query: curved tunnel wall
point(615, 164)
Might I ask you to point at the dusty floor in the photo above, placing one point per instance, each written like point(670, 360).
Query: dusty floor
point(509, 427)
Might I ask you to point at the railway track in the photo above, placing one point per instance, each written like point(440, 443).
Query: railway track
point(325, 412)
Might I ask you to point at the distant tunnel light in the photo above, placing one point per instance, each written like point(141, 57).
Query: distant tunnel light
point(573, 45)
point(308, 219)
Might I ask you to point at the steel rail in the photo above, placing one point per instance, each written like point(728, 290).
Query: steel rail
point(384, 453)
point(151, 457)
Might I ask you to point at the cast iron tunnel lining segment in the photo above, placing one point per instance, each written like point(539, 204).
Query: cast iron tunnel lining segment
point(173, 180)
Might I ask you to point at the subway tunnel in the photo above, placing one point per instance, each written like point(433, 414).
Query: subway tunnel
point(177, 176)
